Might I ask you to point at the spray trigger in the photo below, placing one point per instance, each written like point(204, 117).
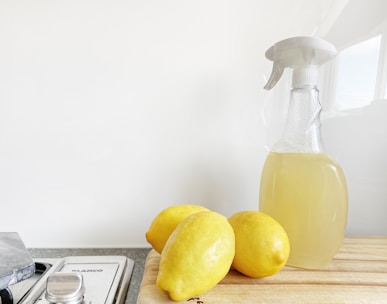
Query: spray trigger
point(302, 54)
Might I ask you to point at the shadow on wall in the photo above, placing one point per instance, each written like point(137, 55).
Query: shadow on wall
point(358, 141)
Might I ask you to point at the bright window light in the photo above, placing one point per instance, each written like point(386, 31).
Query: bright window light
point(357, 74)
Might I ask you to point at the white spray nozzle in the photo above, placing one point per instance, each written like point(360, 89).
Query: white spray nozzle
point(303, 54)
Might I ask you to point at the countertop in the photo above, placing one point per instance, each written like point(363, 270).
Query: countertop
point(138, 255)
point(356, 275)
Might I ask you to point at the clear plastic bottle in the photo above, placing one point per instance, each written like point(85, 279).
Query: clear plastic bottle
point(302, 187)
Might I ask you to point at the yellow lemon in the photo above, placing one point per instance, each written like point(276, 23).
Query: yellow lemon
point(166, 221)
point(261, 244)
point(197, 255)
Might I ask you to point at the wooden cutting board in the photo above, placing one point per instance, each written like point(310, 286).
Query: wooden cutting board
point(357, 274)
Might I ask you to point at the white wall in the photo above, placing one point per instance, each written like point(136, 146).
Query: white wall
point(113, 110)
point(359, 142)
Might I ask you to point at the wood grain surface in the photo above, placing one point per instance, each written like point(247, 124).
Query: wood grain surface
point(357, 274)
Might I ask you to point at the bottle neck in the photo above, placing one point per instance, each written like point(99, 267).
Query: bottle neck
point(302, 129)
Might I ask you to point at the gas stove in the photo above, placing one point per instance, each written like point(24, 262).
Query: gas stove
point(73, 280)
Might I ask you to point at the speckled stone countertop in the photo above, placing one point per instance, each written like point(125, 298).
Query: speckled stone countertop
point(138, 255)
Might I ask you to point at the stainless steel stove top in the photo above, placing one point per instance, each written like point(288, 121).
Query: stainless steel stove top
point(105, 280)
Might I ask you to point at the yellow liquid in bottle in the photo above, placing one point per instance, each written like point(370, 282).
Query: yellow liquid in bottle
point(307, 194)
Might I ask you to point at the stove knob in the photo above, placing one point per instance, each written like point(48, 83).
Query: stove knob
point(65, 288)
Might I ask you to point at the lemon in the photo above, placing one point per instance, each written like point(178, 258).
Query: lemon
point(261, 244)
point(197, 255)
point(166, 221)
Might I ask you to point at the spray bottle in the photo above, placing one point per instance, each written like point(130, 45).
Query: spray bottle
point(302, 187)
